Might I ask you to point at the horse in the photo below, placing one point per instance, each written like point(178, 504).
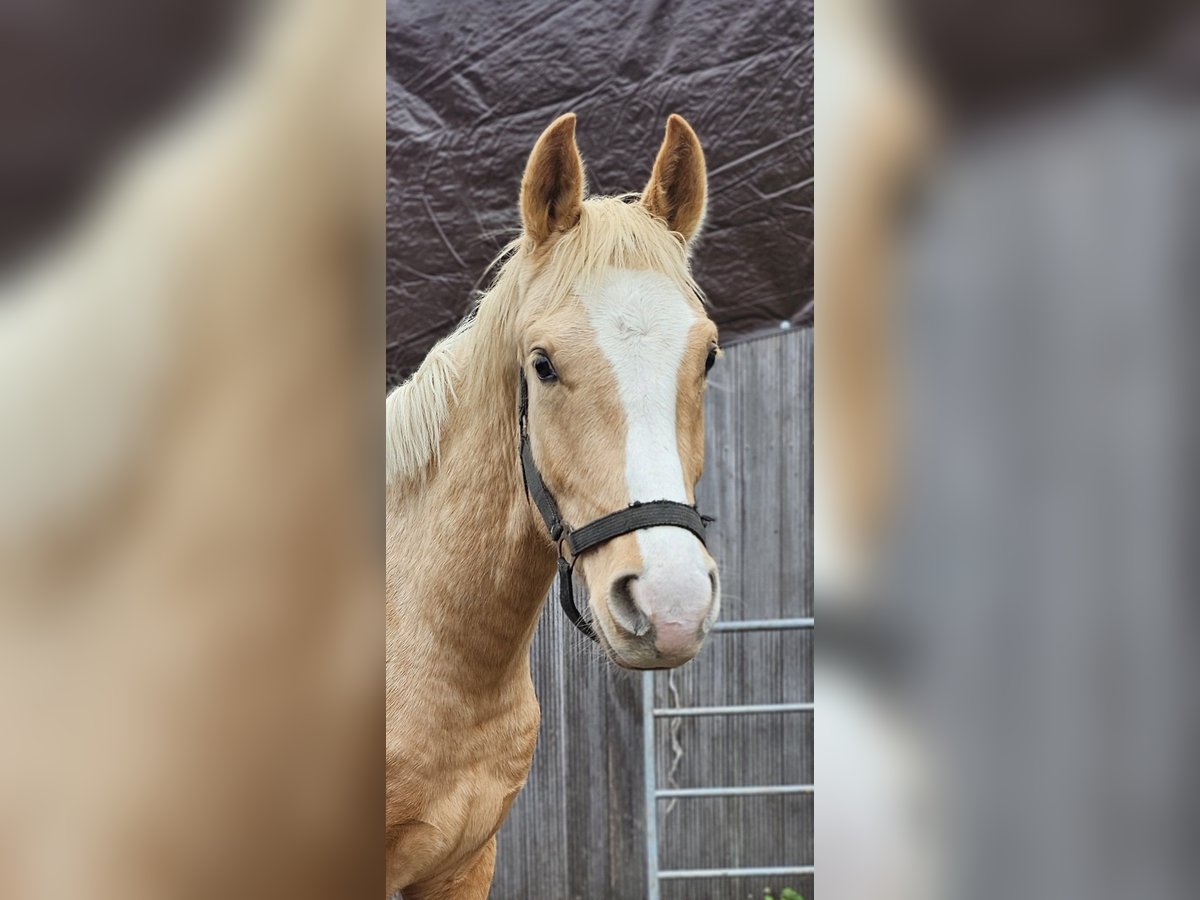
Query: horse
point(573, 394)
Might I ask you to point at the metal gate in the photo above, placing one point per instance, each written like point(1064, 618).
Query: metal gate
point(652, 715)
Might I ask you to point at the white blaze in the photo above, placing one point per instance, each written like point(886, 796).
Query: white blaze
point(641, 320)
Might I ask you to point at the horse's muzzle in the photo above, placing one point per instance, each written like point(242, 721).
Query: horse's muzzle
point(661, 615)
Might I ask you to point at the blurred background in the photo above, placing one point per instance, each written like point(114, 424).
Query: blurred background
point(81, 82)
point(1006, 272)
point(190, 339)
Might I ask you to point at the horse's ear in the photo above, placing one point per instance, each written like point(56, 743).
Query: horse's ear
point(553, 186)
point(678, 187)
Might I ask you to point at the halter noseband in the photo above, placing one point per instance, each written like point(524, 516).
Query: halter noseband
point(635, 517)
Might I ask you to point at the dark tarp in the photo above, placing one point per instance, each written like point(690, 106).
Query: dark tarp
point(472, 83)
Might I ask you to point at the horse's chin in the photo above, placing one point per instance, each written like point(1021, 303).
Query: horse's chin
point(610, 651)
point(643, 659)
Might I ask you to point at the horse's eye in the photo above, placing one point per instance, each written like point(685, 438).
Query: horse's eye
point(544, 369)
point(712, 358)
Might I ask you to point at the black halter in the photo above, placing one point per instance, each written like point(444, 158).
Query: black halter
point(635, 517)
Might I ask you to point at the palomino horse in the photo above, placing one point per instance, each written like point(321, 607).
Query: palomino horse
point(579, 381)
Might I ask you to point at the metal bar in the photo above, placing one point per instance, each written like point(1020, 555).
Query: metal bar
point(764, 625)
point(650, 777)
point(762, 790)
point(765, 872)
point(673, 711)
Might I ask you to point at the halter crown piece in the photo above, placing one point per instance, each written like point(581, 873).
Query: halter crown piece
point(635, 517)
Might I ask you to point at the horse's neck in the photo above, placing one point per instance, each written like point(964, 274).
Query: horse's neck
point(475, 567)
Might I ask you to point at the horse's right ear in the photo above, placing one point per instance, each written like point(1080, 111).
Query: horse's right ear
point(553, 186)
point(678, 187)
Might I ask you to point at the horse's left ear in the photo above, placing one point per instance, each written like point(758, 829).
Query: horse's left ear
point(553, 186)
point(678, 187)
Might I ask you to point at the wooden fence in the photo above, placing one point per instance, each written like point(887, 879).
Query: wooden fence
point(578, 829)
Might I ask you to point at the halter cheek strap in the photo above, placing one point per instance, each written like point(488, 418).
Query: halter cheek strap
point(653, 514)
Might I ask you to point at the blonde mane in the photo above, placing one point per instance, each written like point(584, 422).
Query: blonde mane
point(613, 232)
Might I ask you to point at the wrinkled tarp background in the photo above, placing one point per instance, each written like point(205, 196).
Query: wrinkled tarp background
point(471, 84)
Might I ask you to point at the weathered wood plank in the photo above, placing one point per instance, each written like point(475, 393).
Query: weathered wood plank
point(539, 816)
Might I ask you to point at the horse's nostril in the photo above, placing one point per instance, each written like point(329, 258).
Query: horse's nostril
point(624, 609)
